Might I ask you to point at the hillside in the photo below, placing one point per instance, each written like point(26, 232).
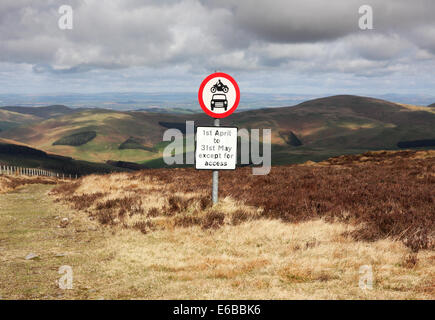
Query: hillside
point(112, 129)
point(302, 232)
point(162, 198)
point(16, 154)
point(10, 119)
point(42, 112)
point(338, 125)
point(432, 105)
point(313, 130)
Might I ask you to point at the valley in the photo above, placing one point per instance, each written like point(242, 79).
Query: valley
point(313, 130)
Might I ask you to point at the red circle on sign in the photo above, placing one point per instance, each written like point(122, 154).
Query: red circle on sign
point(201, 89)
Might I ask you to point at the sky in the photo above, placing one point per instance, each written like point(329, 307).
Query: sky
point(278, 46)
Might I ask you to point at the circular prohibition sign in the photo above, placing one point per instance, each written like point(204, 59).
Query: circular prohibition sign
point(219, 95)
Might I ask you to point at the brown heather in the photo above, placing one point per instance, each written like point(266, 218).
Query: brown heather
point(384, 194)
point(9, 183)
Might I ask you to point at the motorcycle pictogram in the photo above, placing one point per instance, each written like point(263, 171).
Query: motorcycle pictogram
point(219, 86)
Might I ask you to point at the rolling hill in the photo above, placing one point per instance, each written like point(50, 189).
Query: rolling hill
point(17, 154)
point(112, 129)
point(10, 119)
point(313, 130)
point(42, 112)
point(339, 124)
point(432, 105)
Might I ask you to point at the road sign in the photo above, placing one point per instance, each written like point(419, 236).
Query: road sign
point(219, 95)
point(216, 148)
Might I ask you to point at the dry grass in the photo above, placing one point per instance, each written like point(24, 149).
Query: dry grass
point(242, 256)
point(302, 232)
point(384, 194)
point(142, 202)
point(9, 183)
point(264, 259)
point(260, 259)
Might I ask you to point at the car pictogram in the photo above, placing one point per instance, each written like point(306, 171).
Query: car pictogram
point(219, 101)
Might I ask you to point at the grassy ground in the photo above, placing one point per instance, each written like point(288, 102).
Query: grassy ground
point(12, 182)
point(264, 259)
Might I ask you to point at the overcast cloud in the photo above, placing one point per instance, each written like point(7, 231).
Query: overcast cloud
point(300, 46)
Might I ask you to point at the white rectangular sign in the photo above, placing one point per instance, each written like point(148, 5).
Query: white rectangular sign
point(216, 148)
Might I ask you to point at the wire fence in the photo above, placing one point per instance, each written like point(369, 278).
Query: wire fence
point(20, 171)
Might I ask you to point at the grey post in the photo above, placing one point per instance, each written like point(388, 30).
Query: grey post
point(215, 190)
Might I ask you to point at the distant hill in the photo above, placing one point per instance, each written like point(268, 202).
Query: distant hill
point(10, 119)
point(165, 110)
point(313, 130)
point(432, 105)
point(337, 125)
point(42, 112)
point(112, 129)
point(15, 154)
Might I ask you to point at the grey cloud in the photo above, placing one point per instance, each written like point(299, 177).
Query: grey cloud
point(318, 20)
point(242, 35)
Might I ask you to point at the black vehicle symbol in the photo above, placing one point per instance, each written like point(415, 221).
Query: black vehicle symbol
point(219, 101)
point(219, 86)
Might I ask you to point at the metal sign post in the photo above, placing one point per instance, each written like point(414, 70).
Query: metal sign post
point(215, 188)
